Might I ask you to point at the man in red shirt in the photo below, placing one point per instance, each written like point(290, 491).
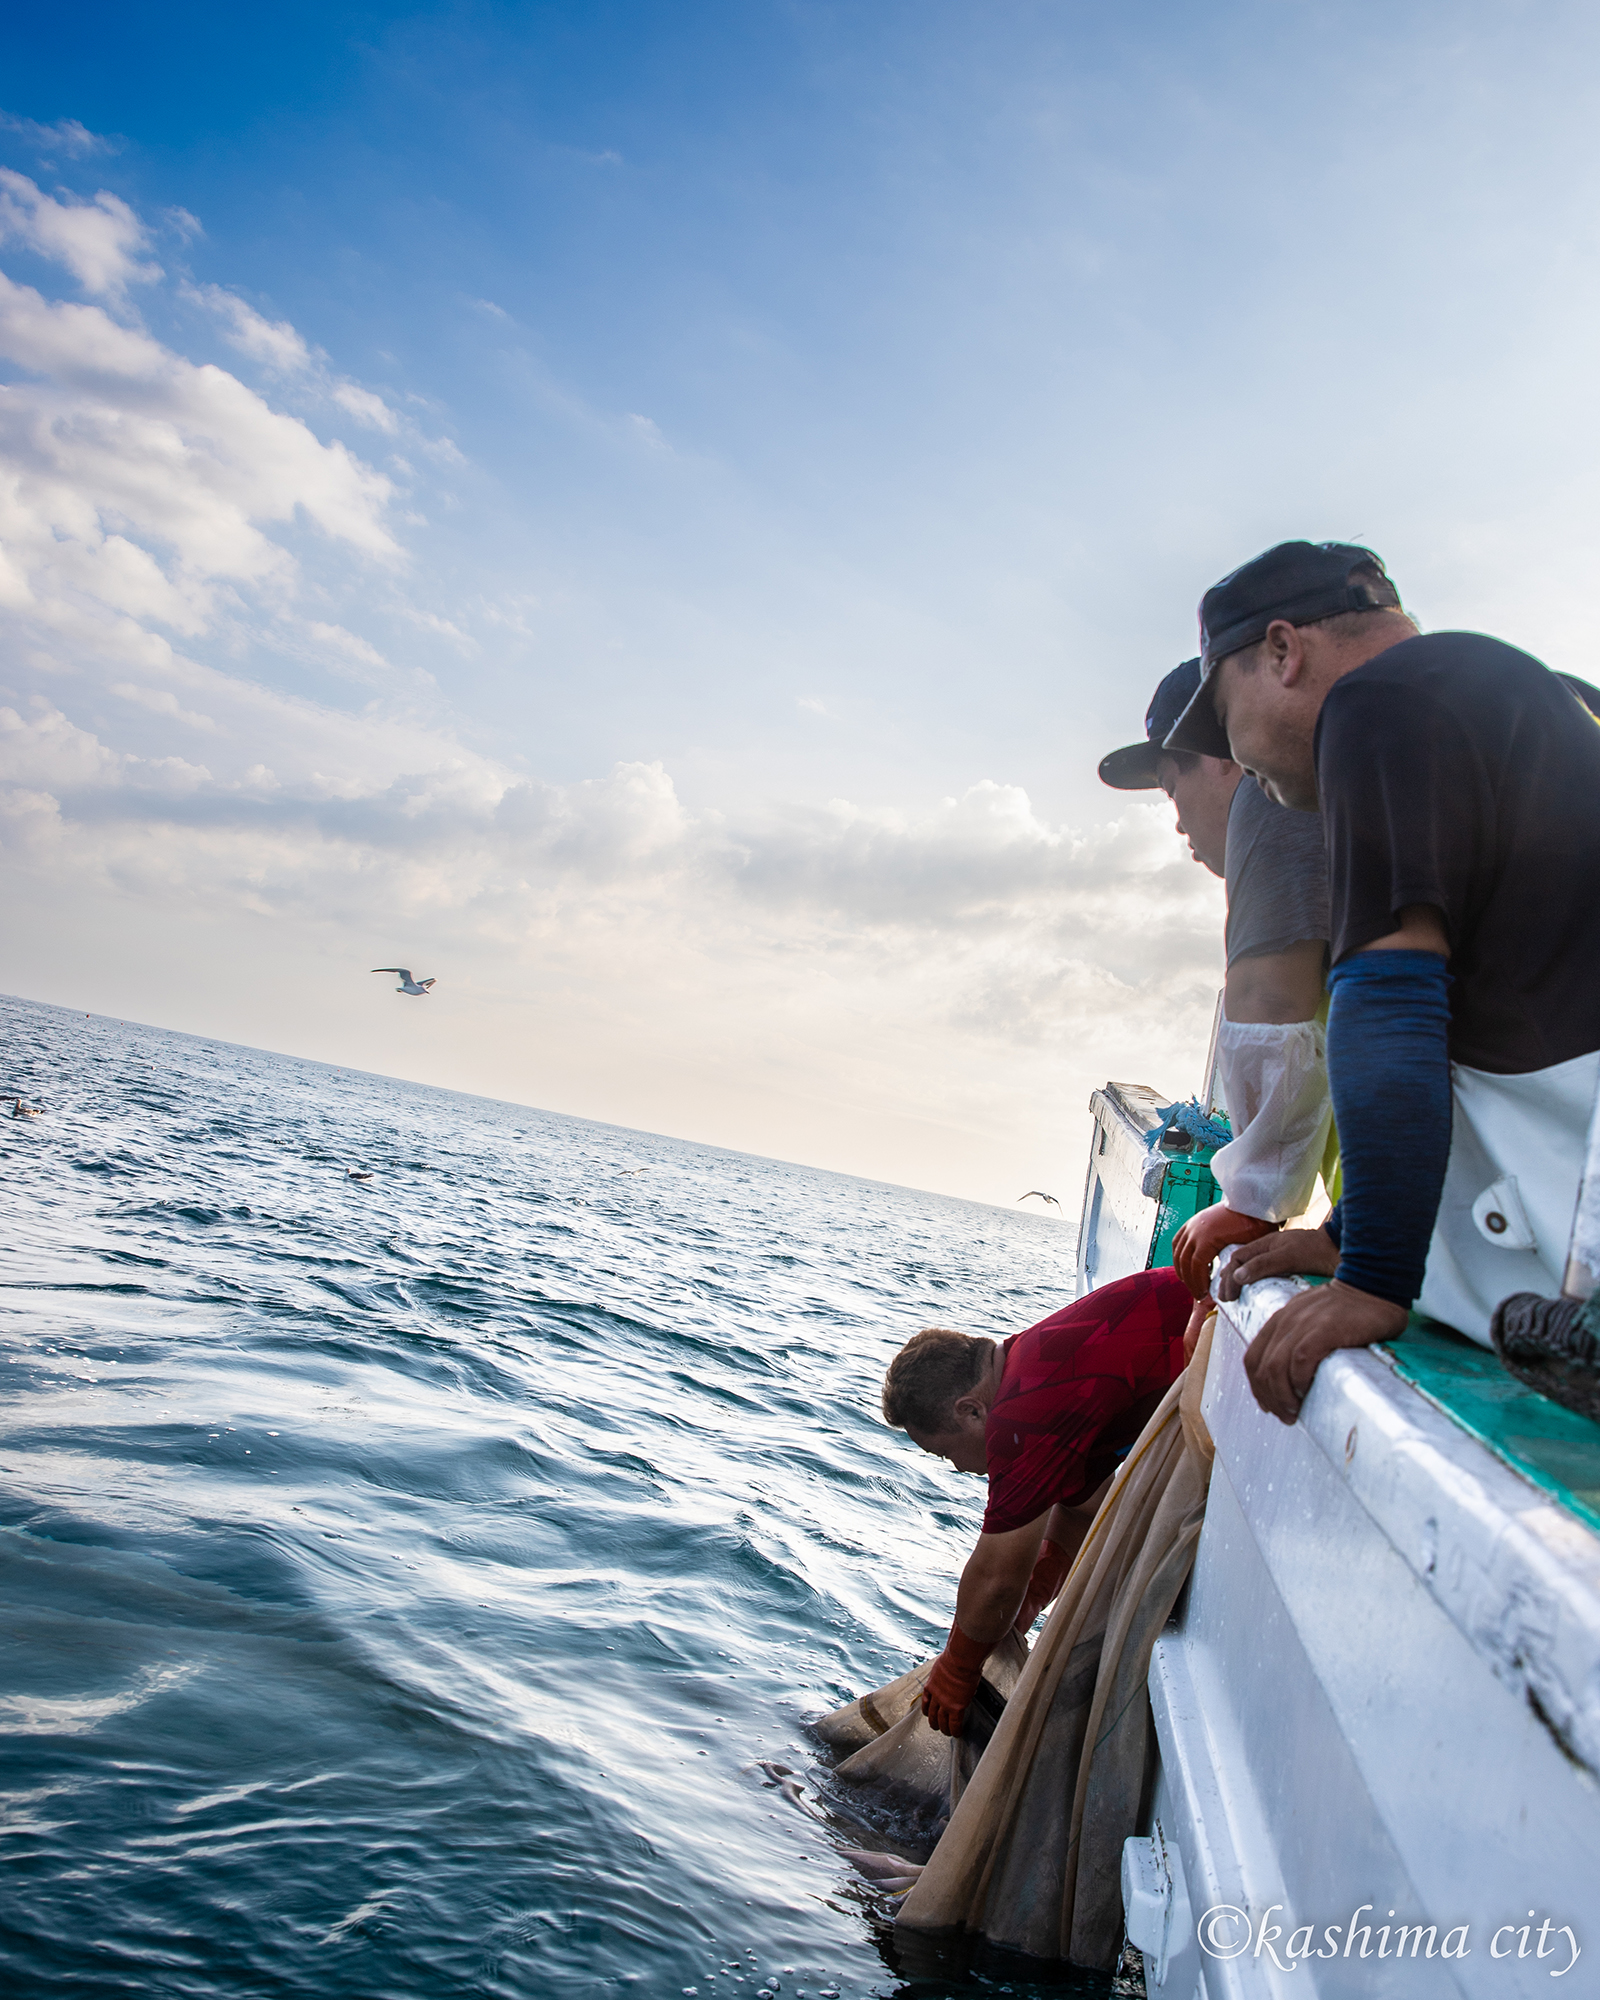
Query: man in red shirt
point(1046, 1416)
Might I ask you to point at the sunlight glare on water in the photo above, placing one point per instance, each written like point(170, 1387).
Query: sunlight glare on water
point(403, 1576)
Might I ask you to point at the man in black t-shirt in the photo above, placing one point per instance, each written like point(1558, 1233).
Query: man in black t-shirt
point(1459, 785)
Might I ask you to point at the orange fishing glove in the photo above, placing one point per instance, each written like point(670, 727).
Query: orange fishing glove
point(1203, 1237)
point(954, 1681)
point(1049, 1573)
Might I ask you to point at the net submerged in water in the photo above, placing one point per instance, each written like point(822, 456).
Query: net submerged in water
point(893, 1750)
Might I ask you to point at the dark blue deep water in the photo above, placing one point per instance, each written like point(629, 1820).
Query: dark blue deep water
point(401, 1577)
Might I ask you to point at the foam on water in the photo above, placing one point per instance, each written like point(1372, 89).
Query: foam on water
point(402, 1576)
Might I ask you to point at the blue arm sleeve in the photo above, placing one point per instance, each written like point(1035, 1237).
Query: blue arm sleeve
point(1333, 1223)
point(1389, 1074)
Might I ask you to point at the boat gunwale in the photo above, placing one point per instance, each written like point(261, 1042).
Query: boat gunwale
point(1515, 1571)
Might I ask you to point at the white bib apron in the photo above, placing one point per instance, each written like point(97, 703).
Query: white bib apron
point(1517, 1147)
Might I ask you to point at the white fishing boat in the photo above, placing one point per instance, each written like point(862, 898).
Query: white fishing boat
point(1378, 1703)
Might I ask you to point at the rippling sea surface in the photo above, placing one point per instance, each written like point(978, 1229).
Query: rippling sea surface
point(403, 1578)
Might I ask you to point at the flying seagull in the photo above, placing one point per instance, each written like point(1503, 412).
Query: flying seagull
point(417, 988)
point(1042, 1196)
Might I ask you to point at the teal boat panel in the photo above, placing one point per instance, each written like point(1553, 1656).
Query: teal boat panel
point(1187, 1187)
point(1554, 1447)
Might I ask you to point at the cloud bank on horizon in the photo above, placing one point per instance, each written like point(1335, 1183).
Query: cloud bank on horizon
point(658, 518)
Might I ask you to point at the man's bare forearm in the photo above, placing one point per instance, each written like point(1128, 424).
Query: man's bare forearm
point(995, 1581)
point(1276, 986)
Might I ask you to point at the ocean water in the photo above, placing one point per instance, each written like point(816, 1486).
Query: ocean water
point(405, 1579)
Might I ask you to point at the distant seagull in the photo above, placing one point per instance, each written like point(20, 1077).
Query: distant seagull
point(1042, 1196)
point(417, 988)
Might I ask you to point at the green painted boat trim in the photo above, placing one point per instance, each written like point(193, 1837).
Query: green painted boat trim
point(1187, 1187)
point(1554, 1447)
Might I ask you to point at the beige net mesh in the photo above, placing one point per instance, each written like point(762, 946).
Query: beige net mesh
point(898, 1755)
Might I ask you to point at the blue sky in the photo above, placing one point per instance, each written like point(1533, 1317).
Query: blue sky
point(702, 488)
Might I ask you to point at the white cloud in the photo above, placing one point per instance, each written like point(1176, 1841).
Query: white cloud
point(281, 349)
point(274, 343)
point(162, 701)
point(48, 752)
point(98, 241)
point(349, 643)
point(984, 912)
point(67, 136)
point(351, 655)
point(430, 621)
point(365, 407)
point(135, 485)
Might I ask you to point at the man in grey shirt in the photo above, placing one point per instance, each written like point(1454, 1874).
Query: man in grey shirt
point(1277, 875)
point(1274, 1071)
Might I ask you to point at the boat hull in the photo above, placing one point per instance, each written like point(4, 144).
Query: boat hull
point(1378, 1709)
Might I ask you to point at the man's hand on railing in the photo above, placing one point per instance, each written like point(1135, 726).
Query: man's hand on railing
point(1283, 1359)
point(1292, 1253)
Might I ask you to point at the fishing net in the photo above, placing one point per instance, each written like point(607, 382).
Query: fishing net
point(1032, 1856)
point(910, 1767)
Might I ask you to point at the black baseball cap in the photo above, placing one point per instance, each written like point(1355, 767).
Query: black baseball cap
point(1586, 692)
point(1133, 769)
point(1300, 581)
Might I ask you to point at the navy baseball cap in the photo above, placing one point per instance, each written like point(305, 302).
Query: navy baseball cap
point(1300, 581)
point(1133, 769)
